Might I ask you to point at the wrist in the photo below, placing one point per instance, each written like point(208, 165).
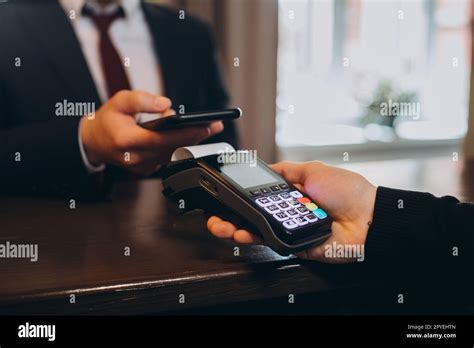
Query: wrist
point(370, 203)
point(85, 132)
point(367, 218)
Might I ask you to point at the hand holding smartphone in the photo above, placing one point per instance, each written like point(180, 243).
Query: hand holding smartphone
point(159, 123)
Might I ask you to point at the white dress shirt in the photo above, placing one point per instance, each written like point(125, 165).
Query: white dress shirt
point(133, 41)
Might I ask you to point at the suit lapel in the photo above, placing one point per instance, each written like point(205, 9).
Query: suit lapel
point(50, 28)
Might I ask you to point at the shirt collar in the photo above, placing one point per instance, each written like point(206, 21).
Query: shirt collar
point(129, 6)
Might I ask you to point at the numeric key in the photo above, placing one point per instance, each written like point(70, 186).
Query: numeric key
point(263, 202)
point(281, 216)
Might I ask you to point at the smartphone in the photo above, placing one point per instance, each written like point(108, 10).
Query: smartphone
point(158, 123)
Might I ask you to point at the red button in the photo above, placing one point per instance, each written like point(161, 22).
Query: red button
point(304, 200)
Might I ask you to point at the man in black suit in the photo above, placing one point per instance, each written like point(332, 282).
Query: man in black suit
point(63, 60)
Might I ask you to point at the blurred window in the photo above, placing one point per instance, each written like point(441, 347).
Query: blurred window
point(353, 72)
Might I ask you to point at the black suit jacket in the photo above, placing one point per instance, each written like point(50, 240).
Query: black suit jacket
point(41, 64)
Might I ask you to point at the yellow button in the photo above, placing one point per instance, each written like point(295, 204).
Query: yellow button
point(311, 206)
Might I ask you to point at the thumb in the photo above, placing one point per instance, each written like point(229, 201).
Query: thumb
point(296, 172)
point(132, 102)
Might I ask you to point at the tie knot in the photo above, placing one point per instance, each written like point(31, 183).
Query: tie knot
point(103, 20)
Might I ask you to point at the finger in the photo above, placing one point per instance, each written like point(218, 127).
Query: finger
point(299, 187)
point(132, 102)
point(142, 139)
point(303, 255)
point(190, 135)
point(211, 220)
point(145, 169)
point(296, 172)
point(316, 254)
point(220, 228)
point(134, 159)
point(169, 112)
point(184, 136)
point(215, 128)
point(245, 237)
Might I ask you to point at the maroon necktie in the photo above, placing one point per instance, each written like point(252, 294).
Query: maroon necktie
point(112, 65)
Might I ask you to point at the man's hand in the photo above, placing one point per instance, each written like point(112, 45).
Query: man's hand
point(114, 137)
point(347, 197)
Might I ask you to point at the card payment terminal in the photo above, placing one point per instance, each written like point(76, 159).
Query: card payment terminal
point(206, 177)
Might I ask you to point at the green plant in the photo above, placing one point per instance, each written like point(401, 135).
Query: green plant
point(383, 93)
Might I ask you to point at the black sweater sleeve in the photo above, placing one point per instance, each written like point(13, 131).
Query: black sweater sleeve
point(420, 239)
